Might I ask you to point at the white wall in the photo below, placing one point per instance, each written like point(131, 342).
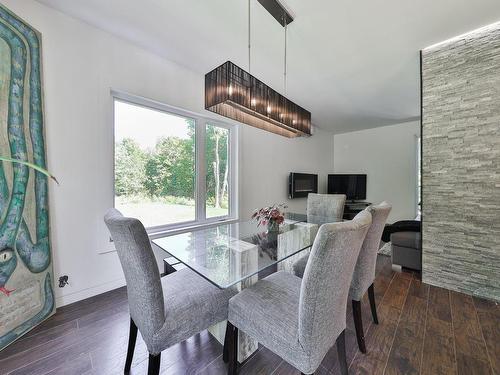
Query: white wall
point(267, 160)
point(388, 156)
point(81, 65)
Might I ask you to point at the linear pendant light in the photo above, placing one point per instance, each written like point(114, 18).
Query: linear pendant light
point(232, 92)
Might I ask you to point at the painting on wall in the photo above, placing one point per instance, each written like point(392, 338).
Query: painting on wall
point(26, 288)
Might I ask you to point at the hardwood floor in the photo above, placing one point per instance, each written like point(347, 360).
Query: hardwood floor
point(423, 330)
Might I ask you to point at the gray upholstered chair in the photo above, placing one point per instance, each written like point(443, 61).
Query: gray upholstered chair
point(364, 272)
point(321, 206)
point(165, 310)
point(300, 320)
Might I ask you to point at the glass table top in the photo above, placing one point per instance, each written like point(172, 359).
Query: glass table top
point(229, 253)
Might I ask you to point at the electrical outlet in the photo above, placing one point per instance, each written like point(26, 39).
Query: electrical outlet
point(63, 281)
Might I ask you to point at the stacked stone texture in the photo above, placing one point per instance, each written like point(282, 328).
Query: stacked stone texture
point(461, 163)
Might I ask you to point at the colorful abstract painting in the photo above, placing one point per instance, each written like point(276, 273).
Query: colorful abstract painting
point(26, 289)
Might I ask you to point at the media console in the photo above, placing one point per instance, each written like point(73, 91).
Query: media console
point(352, 208)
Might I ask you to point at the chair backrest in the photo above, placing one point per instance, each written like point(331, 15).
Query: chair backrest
point(364, 272)
point(323, 208)
point(144, 290)
point(326, 281)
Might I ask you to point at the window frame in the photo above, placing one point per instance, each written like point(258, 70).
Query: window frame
point(418, 167)
point(200, 198)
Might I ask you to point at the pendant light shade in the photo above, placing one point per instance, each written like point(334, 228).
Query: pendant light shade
point(234, 93)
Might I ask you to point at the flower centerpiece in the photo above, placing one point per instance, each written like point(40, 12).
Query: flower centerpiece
point(271, 216)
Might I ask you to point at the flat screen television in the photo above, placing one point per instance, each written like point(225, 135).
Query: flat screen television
point(352, 185)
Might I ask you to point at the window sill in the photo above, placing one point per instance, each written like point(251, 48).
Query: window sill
point(166, 232)
point(189, 228)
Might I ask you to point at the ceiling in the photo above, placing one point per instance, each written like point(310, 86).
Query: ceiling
point(353, 64)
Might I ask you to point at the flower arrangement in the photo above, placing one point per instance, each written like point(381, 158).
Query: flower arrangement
point(271, 216)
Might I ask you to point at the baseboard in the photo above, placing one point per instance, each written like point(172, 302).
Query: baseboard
point(89, 292)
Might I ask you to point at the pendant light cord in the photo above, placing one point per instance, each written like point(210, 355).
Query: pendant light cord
point(249, 37)
point(285, 25)
point(284, 62)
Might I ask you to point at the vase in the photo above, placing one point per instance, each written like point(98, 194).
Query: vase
point(273, 227)
point(273, 230)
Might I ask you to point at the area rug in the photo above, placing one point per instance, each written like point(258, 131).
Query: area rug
point(386, 249)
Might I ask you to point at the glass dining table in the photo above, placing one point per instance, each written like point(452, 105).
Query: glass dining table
point(236, 255)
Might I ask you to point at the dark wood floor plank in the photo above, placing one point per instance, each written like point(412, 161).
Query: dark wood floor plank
point(365, 314)
point(406, 352)
point(380, 337)
point(262, 363)
point(438, 357)
point(74, 366)
point(107, 358)
point(439, 304)
point(188, 357)
point(419, 289)
point(216, 367)
point(71, 345)
point(489, 319)
point(90, 337)
point(286, 369)
point(79, 309)
point(380, 286)
point(43, 338)
point(118, 311)
point(469, 365)
point(378, 345)
point(396, 295)
point(486, 305)
point(331, 362)
point(466, 328)
point(191, 355)
point(57, 359)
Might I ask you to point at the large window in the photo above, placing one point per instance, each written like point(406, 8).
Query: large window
point(217, 170)
point(172, 168)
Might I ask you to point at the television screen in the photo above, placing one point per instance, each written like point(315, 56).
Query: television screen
point(352, 185)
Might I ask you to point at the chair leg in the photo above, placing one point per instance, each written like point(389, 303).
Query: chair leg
point(233, 350)
point(227, 337)
point(373, 306)
point(358, 324)
point(131, 346)
point(341, 353)
point(154, 364)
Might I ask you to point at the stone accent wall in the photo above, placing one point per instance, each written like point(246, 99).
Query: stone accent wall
point(461, 163)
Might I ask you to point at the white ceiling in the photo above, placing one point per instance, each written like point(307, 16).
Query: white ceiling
point(353, 64)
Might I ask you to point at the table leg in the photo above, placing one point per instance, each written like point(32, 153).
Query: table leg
point(246, 345)
point(241, 262)
point(245, 261)
point(295, 240)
